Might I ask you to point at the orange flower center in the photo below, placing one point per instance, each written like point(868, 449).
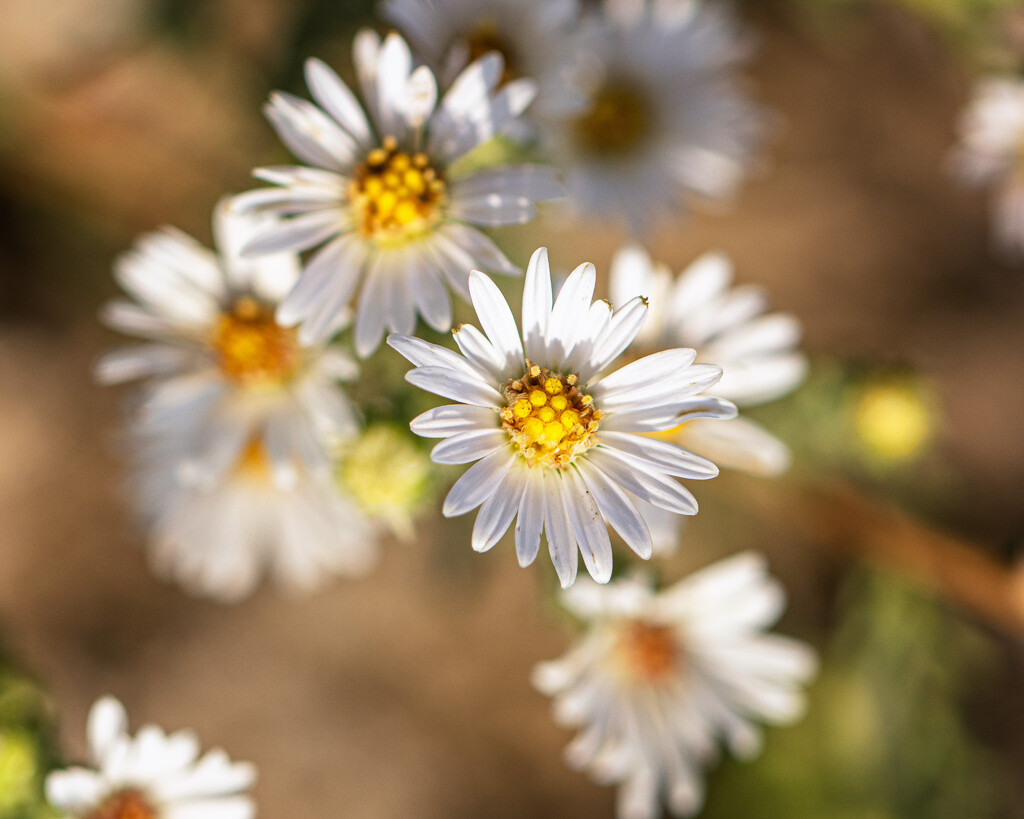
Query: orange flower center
point(548, 417)
point(124, 804)
point(646, 652)
point(252, 348)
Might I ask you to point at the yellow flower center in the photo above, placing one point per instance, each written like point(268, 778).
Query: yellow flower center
point(384, 471)
point(395, 196)
point(124, 804)
point(548, 417)
point(252, 348)
point(893, 421)
point(486, 37)
point(647, 653)
point(619, 119)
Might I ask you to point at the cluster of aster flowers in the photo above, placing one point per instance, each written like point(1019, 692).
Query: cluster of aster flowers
point(578, 420)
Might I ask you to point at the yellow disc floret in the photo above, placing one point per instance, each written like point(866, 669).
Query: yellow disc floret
point(548, 417)
point(395, 196)
point(252, 348)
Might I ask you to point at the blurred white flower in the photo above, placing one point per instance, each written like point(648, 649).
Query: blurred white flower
point(660, 679)
point(150, 776)
point(726, 325)
point(991, 154)
point(666, 118)
point(558, 442)
point(218, 370)
point(380, 191)
point(218, 541)
point(544, 40)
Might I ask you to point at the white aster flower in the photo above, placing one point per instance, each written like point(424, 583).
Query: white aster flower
point(218, 541)
point(665, 119)
point(558, 442)
point(659, 679)
point(991, 154)
point(150, 776)
point(381, 193)
point(729, 326)
point(219, 370)
point(541, 39)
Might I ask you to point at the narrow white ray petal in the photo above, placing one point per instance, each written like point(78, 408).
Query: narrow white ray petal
point(496, 319)
point(309, 133)
point(455, 384)
point(530, 521)
point(537, 305)
point(327, 282)
point(465, 447)
point(753, 382)
point(296, 233)
point(478, 483)
point(425, 354)
point(372, 312)
point(139, 361)
point(452, 419)
point(394, 65)
point(595, 325)
point(645, 370)
point(617, 509)
point(337, 99)
point(671, 459)
point(493, 210)
point(657, 419)
point(673, 388)
point(499, 509)
point(558, 529)
point(777, 332)
point(569, 313)
point(737, 444)
point(647, 484)
point(535, 182)
point(588, 527)
point(475, 346)
point(421, 97)
point(480, 248)
point(623, 327)
point(429, 294)
point(287, 200)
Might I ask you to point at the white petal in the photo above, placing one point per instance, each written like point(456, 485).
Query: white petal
point(452, 419)
point(455, 384)
point(537, 305)
point(475, 346)
point(618, 509)
point(557, 527)
point(498, 510)
point(588, 527)
point(639, 479)
point(667, 457)
point(335, 97)
point(465, 447)
point(569, 313)
point(530, 522)
point(479, 481)
point(623, 327)
point(496, 319)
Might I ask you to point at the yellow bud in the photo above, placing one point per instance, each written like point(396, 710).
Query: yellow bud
point(552, 386)
point(522, 408)
point(538, 398)
point(546, 414)
point(554, 432)
point(400, 162)
point(414, 181)
point(406, 213)
point(569, 419)
point(386, 203)
point(559, 402)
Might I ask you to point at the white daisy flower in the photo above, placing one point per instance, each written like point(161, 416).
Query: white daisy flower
point(150, 776)
point(991, 154)
point(382, 194)
point(558, 442)
point(219, 370)
point(729, 326)
point(659, 679)
point(541, 39)
point(665, 119)
point(218, 541)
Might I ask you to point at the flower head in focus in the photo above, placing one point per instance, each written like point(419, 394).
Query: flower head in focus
point(560, 443)
point(150, 776)
point(544, 40)
point(661, 678)
point(386, 475)
point(218, 369)
point(991, 154)
point(665, 118)
point(398, 221)
point(218, 541)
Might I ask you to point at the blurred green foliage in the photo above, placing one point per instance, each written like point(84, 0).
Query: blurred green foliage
point(27, 745)
point(884, 736)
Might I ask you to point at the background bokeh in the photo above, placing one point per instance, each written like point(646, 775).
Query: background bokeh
point(407, 693)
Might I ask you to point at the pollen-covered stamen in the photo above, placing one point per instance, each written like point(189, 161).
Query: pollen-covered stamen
point(252, 348)
point(395, 195)
point(124, 804)
point(645, 652)
point(619, 119)
point(548, 417)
